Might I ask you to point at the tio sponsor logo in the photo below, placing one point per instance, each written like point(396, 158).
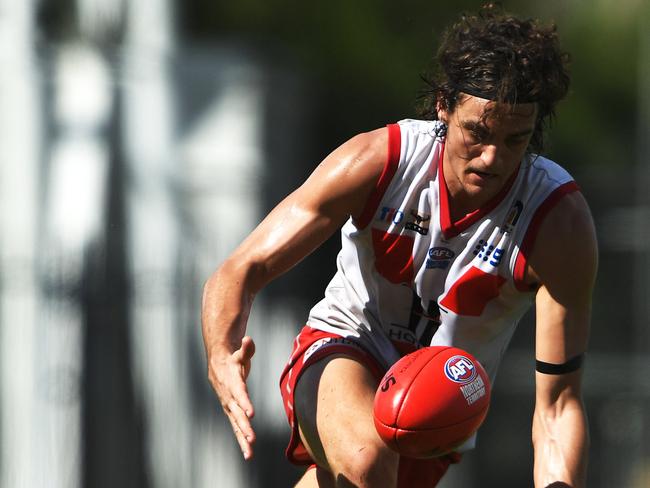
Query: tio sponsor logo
point(460, 369)
point(393, 215)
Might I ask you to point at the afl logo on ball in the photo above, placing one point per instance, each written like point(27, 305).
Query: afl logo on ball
point(460, 369)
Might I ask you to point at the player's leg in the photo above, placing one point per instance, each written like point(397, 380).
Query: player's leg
point(316, 477)
point(333, 403)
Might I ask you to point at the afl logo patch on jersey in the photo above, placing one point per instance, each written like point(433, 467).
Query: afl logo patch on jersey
point(460, 369)
point(439, 257)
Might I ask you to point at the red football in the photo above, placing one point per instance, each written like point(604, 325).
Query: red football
point(431, 401)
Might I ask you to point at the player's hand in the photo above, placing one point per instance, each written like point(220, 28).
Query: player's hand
point(227, 374)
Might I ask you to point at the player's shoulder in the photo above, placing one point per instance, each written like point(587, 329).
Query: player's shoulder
point(390, 141)
point(374, 139)
point(565, 233)
point(566, 244)
point(561, 195)
point(541, 167)
point(367, 147)
point(569, 215)
point(430, 128)
point(419, 127)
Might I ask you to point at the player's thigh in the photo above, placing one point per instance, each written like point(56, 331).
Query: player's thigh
point(316, 478)
point(333, 401)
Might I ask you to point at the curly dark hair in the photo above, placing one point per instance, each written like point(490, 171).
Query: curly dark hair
point(497, 56)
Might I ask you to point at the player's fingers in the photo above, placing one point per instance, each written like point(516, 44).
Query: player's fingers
point(244, 446)
point(239, 407)
point(242, 420)
point(229, 383)
point(242, 358)
point(239, 393)
point(245, 353)
point(241, 427)
point(247, 348)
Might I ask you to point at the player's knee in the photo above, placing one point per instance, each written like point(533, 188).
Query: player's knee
point(366, 466)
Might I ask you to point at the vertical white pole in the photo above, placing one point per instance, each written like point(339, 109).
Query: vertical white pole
point(223, 166)
point(20, 142)
point(226, 170)
point(159, 351)
point(72, 214)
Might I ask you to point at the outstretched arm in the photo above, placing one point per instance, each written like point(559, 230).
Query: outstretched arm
point(336, 190)
point(564, 264)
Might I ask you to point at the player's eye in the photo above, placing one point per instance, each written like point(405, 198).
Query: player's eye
point(478, 135)
point(475, 133)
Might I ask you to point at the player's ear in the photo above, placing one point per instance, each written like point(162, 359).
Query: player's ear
point(443, 114)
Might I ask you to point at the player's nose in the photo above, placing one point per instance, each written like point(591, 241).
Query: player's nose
point(490, 155)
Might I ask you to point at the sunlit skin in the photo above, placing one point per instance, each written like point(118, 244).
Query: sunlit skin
point(482, 153)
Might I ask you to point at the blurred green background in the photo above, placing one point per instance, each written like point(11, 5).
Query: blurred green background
point(364, 58)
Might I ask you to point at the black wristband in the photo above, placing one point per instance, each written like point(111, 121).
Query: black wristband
point(570, 366)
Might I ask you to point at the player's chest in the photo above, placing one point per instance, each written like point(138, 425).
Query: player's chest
point(431, 264)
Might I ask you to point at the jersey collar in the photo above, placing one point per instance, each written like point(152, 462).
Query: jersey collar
point(452, 229)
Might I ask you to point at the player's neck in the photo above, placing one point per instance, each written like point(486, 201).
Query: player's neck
point(458, 209)
point(460, 201)
point(466, 195)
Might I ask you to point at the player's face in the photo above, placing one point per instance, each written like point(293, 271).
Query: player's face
point(482, 153)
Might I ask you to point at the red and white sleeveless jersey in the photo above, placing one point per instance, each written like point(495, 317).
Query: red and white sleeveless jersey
point(407, 276)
